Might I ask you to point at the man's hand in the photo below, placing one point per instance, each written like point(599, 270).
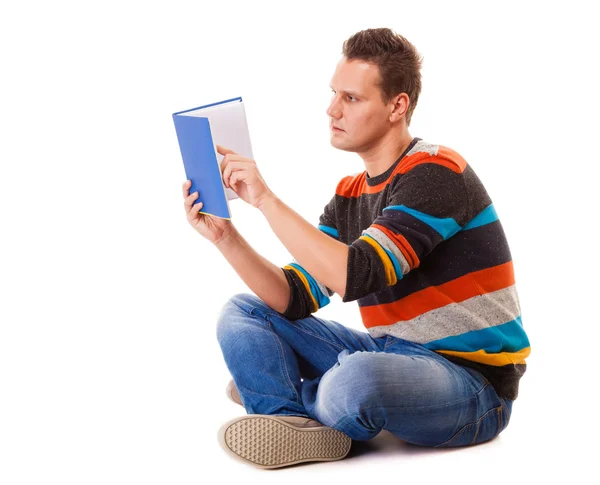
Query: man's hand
point(242, 175)
point(212, 228)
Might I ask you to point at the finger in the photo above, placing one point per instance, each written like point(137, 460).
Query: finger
point(190, 200)
point(238, 176)
point(193, 212)
point(233, 166)
point(186, 188)
point(225, 151)
point(232, 158)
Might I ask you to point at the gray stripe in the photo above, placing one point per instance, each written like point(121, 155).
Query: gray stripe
point(321, 286)
point(388, 244)
point(422, 146)
point(476, 313)
point(324, 289)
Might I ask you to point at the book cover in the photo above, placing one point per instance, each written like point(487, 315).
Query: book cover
point(199, 131)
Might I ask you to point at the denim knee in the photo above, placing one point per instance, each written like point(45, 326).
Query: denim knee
point(365, 381)
point(350, 386)
point(237, 304)
point(240, 310)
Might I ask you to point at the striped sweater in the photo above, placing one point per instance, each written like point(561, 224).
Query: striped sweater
point(428, 262)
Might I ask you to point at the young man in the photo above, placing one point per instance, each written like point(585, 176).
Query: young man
point(416, 241)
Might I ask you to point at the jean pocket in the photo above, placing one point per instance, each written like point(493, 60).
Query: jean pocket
point(487, 427)
point(389, 340)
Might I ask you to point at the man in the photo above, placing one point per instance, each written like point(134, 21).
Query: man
point(416, 241)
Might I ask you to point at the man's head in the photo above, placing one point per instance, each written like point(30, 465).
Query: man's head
point(375, 87)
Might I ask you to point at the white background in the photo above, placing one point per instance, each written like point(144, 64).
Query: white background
point(110, 371)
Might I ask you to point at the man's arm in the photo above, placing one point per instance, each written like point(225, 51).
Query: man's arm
point(428, 205)
point(264, 278)
point(322, 256)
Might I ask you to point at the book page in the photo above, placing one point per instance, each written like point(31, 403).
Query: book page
point(229, 128)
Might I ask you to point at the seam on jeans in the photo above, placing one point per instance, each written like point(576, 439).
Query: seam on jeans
point(500, 419)
point(437, 405)
point(477, 429)
point(341, 347)
point(342, 419)
point(429, 407)
point(456, 435)
point(463, 429)
point(504, 406)
point(251, 310)
point(387, 344)
point(452, 438)
point(476, 433)
point(337, 423)
point(479, 423)
point(248, 311)
point(282, 358)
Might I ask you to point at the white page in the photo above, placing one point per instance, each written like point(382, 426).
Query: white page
point(229, 129)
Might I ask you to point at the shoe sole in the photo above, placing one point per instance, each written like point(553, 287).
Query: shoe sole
point(269, 442)
point(229, 393)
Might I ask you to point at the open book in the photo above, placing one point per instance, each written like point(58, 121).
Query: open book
point(199, 131)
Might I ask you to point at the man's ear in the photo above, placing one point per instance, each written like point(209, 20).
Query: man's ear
point(401, 103)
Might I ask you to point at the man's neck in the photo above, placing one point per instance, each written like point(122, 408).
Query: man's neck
point(381, 157)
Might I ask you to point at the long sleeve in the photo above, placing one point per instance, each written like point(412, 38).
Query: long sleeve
point(426, 205)
point(307, 295)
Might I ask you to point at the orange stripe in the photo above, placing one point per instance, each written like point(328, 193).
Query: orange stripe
point(427, 299)
point(445, 157)
point(403, 245)
point(352, 186)
point(411, 162)
point(456, 160)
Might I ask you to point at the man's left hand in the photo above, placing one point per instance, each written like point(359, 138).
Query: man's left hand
point(242, 176)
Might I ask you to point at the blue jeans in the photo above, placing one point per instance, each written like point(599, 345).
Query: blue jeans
point(352, 382)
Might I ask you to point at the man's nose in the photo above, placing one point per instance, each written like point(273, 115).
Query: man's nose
point(333, 111)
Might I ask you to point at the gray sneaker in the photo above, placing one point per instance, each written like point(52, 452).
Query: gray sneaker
point(232, 393)
point(274, 441)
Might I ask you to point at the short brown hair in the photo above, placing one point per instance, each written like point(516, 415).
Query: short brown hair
point(398, 61)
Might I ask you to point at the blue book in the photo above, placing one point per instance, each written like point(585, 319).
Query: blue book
point(199, 131)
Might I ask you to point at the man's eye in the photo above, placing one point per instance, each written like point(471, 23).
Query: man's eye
point(348, 96)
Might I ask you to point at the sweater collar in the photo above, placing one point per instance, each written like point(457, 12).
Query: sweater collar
point(382, 177)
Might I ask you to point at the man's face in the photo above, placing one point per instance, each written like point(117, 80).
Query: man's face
point(356, 107)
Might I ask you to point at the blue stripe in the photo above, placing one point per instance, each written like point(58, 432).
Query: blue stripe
point(447, 227)
point(508, 337)
point(395, 262)
point(486, 216)
point(329, 230)
point(322, 299)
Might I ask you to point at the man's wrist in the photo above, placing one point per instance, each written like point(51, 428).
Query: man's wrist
point(268, 201)
point(228, 238)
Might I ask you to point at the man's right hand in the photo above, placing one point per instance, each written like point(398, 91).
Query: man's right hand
point(212, 228)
